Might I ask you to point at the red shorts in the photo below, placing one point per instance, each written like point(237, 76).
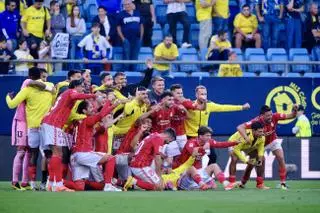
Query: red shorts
point(19, 133)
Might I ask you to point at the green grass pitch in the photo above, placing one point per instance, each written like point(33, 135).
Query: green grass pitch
point(303, 196)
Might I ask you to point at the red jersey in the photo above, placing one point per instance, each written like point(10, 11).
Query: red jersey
point(269, 128)
point(194, 143)
point(101, 139)
point(61, 110)
point(177, 121)
point(84, 130)
point(161, 120)
point(147, 149)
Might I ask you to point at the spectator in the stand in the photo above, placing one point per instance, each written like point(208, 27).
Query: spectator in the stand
point(270, 14)
point(2, 6)
point(176, 12)
point(113, 8)
point(95, 47)
point(294, 9)
point(146, 9)
point(36, 24)
point(23, 53)
point(45, 54)
point(230, 70)
point(58, 21)
point(203, 13)
point(313, 31)
point(158, 86)
point(130, 31)
point(69, 5)
point(220, 14)
point(9, 22)
point(246, 28)
point(311, 21)
point(76, 27)
point(102, 19)
point(219, 47)
point(165, 51)
point(5, 55)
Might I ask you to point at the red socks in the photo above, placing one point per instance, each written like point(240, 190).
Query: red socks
point(283, 174)
point(32, 171)
point(221, 177)
point(55, 168)
point(109, 170)
point(94, 185)
point(232, 179)
point(78, 185)
point(197, 178)
point(65, 171)
point(259, 181)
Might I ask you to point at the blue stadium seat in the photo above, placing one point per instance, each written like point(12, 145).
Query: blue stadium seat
point(300, 54)
point(179, 74)
point(292, 75)
point(187, 51)
point(249, 74)
point(191, 13)
point(277, 54)
point(157, 37)
point(117, 55)
point(194, 35)
point(142, 57)
point(312, 75)
point(268, 74)
point(256, 55)
point(133, 74)
point(189, 67)
point(161, 13)
point(179, 34)
point(92, 12)
point(239, 57)
point(145, 50)
point(203, 54)
point(200, 74)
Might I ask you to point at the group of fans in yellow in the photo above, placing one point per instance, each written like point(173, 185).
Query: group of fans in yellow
point(120, 136)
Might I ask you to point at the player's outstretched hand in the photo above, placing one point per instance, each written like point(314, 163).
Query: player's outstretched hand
point(11, 94)
point(246, 106)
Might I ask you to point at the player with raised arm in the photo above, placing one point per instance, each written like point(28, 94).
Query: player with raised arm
point(270, 121)
point(52, 132)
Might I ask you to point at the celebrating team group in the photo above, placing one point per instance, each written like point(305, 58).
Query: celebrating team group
point(120, 136)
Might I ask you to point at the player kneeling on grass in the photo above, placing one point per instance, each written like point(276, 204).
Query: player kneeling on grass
point(86, 162)
point(255, 150)
point(148, 150)
point(198, 177)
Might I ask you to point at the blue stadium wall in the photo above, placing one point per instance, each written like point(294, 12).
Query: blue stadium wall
point(279, 93)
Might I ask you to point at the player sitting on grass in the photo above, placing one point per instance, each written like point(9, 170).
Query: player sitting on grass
point(198, 177)
point(255, 149)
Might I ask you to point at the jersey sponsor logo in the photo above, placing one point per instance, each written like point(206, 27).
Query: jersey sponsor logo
point(282, 99)
point(128, 20)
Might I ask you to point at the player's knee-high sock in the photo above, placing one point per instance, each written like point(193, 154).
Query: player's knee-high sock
point(221, 178)
point(91, 185)
point(259, 180)
point(32, 170)
point(78, 185)
point(25, 165)
point(282, 174)
point(232, 179)
point(55, 171)
point(145, 185)
point(109, 169)
point(17, 165)
point(197, 178)
point(65, 169)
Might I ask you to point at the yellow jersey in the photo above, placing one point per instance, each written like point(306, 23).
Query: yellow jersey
point(162, 50)
point(255, 144)
point(34, 20)
point(2, 6)
point(230, 70)
point(246, 24)
point(303, 127)
point(216, 43)
point(221, 9)
point(38, 103)
point(203, 13)
point(132, 111)
point(197, 118)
